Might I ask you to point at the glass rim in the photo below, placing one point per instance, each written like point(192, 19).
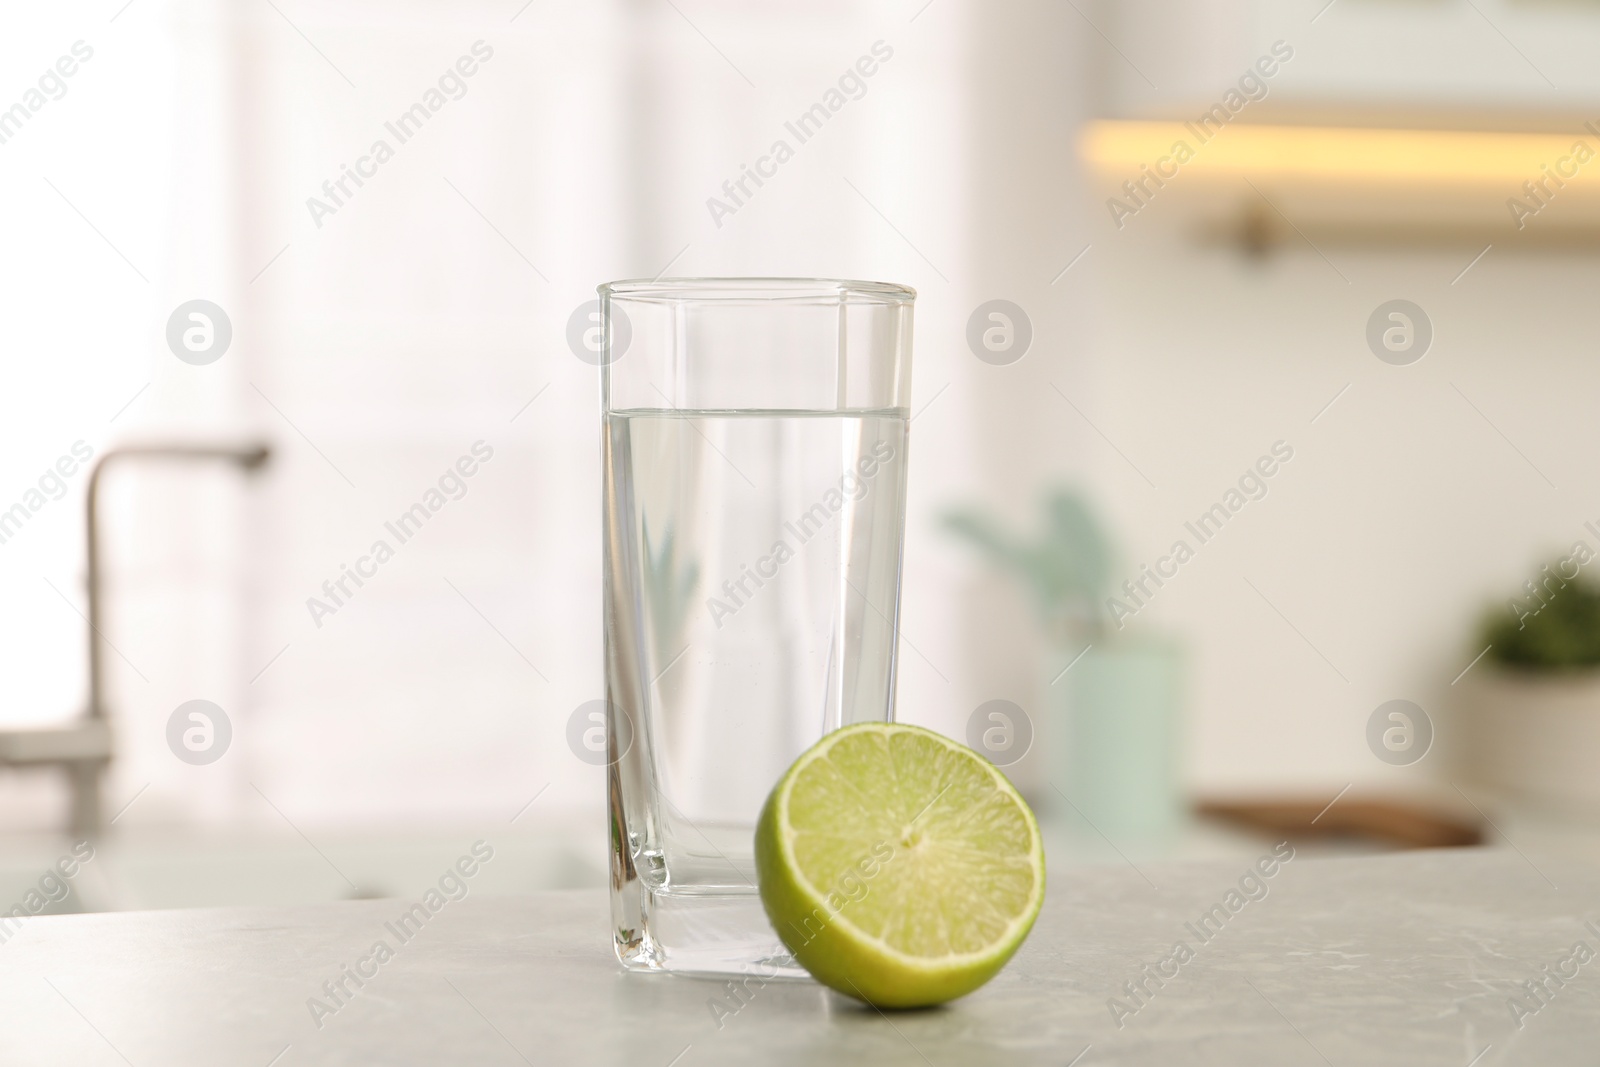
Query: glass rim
point(718, 290)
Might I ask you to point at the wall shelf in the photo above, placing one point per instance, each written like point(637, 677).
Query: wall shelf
point(1254, 183)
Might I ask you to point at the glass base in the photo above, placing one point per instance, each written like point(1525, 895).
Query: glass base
point(704, 933)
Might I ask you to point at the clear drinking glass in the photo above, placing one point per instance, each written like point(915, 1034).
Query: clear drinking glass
point(755, 437)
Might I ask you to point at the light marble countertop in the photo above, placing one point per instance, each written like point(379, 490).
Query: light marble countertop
point(1405, 959)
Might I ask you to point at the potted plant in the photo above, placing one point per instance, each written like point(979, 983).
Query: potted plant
point(1111, 742)
point(1532, 718)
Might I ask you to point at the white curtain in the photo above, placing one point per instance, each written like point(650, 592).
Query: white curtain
point(382, 329)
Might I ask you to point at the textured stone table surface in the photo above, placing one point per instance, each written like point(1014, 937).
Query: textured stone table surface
point(1410, 959)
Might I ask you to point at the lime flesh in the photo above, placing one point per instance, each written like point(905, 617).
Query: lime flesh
point(899, 867)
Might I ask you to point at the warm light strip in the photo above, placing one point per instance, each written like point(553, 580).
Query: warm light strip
point(1379, 156)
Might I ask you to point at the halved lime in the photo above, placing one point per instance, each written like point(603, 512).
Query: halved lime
point(898, 866)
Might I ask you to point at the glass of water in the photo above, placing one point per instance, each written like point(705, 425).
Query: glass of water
point(755, 476)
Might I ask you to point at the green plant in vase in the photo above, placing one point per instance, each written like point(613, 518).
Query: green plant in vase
point(1112, 742)
point(1066, 568)
point(1557, 628)
point(1529, 717)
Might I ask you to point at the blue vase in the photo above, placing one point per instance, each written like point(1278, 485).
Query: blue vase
point(1118, 757)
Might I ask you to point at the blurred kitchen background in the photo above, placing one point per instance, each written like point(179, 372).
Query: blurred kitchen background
point(1149, 357)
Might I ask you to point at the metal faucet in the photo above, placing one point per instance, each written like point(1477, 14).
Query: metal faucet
point(84, 748)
